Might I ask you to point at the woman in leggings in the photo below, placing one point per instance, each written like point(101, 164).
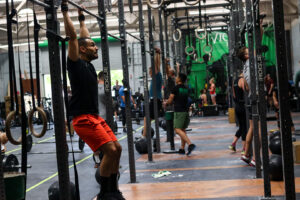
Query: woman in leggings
point(238, 95)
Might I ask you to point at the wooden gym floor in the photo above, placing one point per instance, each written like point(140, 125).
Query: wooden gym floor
point(211, 172)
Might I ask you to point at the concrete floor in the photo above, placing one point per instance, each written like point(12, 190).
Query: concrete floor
point(211, 172)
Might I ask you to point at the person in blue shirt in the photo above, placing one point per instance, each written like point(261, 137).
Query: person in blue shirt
point(157, 88)
point(122, 105)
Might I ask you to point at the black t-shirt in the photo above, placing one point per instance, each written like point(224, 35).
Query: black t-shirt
point(169, 87)
point(84, 85)
point(239, 92)
point(181, 94)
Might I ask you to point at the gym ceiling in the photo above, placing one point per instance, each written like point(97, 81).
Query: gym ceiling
point(290, 9)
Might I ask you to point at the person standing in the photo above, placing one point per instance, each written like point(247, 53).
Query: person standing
point(122, 105)
point(269, 83)
point(90, 127)
point(179, 96)
point(239, 88)
point(212, 91)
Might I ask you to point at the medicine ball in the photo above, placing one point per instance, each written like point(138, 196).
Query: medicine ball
point(274, 134)
point(141, 146)
point(275, 145)
point(152, 132)
point(53, 191)
point(275, 171)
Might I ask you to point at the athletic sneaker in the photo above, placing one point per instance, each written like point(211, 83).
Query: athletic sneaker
point(252, 163)
point(190, 149)
point(246, 159)
point(181, 151)
point(232, 148)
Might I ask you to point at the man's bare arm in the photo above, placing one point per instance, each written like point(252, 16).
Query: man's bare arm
point(73, 49)
point(157, 60)
point(84, 32)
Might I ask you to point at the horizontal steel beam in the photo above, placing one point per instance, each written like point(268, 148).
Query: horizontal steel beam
point(40, 3)
point(197, 17)
point(197, 7)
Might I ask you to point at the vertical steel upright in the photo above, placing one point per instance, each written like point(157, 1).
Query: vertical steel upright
point(145, 79)
point(253, 100)
point(2, 186)
point(262, 105)
point(126, 91)
point(57, 101)
point(105, 63)
point(151, 46)
point(166, 14)
point(284, 112)
point(161, 41)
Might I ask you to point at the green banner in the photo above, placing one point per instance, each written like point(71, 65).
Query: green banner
point(216, 47)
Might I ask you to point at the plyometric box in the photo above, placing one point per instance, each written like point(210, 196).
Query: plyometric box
point(211, 110)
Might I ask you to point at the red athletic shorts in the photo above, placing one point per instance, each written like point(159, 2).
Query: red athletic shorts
point(93, 130)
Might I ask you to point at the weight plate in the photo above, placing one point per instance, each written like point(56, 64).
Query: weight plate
point(10, 163)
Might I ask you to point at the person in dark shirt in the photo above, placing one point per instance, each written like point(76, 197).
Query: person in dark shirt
point(122, 105)
point(238, 90)
point(170, 79)
point(179, 96)
point(90, 127)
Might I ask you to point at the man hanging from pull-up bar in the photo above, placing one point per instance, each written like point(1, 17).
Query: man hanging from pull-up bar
point(91, 128)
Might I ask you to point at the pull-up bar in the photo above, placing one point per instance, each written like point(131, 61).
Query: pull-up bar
point(133, 36)
point(93, 15)
point(84, 10)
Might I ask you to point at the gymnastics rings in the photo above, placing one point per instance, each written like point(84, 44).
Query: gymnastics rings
point(191, 52)
point(198, 35)
point(210, 49)
point(9, 118)
point(155, 7)
point(191, 3)
point(30, 122)
point(179, 33)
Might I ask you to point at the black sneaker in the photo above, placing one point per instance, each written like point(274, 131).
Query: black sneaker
point(190, 149)
point(181, 151)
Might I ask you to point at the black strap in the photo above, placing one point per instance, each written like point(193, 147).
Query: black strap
point(12, 75)
point(30, 64)
point(24, 118)
point(37, 28)
point(188, 26)
point(200, 16)
point(64, 70)
point(206, 18)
